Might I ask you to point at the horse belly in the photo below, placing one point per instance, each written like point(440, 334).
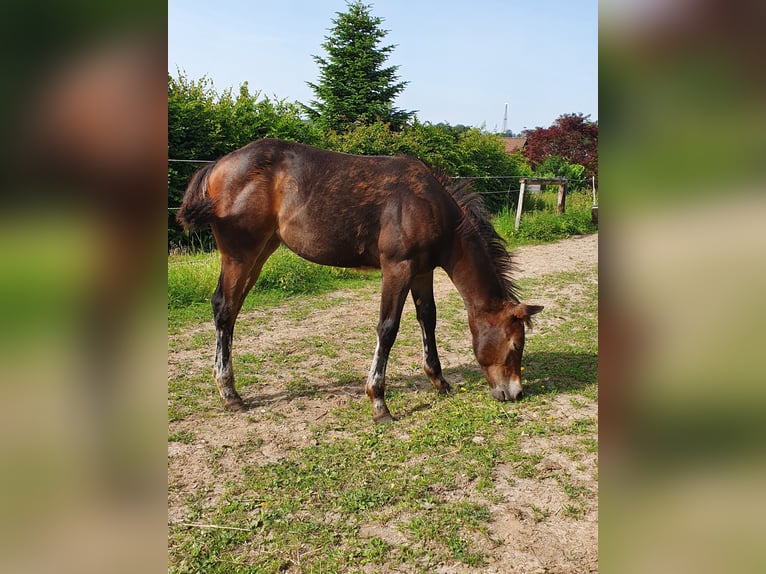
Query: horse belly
point(328, 248)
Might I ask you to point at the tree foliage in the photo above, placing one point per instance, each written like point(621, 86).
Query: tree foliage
point(557, 166)
point(456, 151)
point(205, 125)
point(355, 88)
point(572, 137)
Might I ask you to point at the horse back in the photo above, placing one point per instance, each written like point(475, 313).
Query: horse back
point(337, 209)
point(351, 211)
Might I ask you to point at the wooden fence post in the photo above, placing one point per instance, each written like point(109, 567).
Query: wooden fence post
point(521, 203)
point(561, 203)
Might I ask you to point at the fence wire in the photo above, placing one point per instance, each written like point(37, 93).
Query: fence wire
point(469, 177)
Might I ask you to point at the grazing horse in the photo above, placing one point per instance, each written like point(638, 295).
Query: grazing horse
point(387, 213)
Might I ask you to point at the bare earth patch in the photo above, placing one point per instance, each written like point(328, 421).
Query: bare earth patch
point(546, 522)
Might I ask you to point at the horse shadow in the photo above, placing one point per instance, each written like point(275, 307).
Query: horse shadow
point(545, 373)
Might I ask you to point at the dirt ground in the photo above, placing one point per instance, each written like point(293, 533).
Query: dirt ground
point(528, 545)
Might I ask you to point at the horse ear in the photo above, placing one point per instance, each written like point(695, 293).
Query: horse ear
point(534, 309)
point(524, 312)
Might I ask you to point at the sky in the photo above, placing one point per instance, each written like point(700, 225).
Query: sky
point(463, 60)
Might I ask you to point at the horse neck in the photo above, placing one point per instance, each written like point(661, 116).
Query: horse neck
point(473, 274)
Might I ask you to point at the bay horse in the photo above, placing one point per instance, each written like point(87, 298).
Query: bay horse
point(388, 213)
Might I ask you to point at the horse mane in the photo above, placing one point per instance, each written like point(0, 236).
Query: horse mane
point(475, 223)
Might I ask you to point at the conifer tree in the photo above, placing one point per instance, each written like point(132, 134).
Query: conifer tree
point(354, 87)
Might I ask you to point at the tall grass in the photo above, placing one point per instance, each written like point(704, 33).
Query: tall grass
point(193, 278)
point(539, 222)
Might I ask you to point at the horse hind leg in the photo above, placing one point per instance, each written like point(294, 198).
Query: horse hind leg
point(425, 307)
point(238, 275)
point(224, 316)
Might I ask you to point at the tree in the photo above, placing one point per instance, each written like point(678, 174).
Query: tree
point(557, 166)
point(572, 137)
point(354, 87)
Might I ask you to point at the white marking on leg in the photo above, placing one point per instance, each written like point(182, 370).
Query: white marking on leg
point(375, 358)
point(218, 353)
point(425, 344)
point(377, 370)
point(224, 375)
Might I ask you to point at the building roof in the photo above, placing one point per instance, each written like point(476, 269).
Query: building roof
point(513, 145)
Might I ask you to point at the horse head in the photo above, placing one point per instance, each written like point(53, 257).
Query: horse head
point(498, 343)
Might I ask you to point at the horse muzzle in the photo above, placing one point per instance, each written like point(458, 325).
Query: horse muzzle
point(511, 391)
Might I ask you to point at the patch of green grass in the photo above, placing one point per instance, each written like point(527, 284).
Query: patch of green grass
point(525, 465)
point(186, 437)
point(186, 394)
point(590, 444)
point(300, 387)
point(574, 491)
point(322, 346)
point(582, 426)
point(539, 514)
point(575, 511)
point(318, 496)
point(192, 278)
point(446, 523)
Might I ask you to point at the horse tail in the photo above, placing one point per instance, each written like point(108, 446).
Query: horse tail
point(197, 209)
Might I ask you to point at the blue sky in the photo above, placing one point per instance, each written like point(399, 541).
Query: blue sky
point(464, 60)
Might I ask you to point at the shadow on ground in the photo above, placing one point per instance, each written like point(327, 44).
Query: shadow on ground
point(545, 373)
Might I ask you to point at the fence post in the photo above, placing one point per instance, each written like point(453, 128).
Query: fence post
point(521, 202)
point(561, 203)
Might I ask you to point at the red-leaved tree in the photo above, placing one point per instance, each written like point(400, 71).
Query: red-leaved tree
point(572, 136)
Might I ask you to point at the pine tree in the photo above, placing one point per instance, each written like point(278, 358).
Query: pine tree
point(354, 87)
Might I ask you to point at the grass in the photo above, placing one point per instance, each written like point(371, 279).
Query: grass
point(430, 478)
point(321, 496)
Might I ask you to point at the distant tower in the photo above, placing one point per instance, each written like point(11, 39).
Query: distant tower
point(505, 119)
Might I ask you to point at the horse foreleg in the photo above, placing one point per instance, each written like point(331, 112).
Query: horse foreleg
point(425, 307)
point(393, 294)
